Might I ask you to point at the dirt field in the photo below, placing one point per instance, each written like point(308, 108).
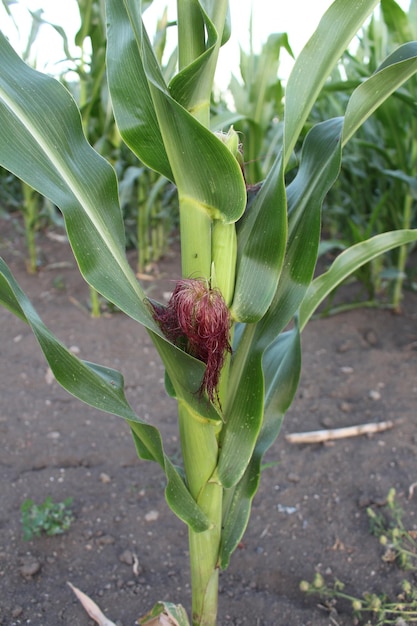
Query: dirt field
point(309, 514)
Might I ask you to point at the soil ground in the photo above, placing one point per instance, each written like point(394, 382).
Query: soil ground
point(125, 548)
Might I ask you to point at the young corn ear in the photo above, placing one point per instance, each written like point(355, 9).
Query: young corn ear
point(223, 267)
point(224, 241)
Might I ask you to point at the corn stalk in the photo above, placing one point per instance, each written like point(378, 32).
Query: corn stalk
point(230, 361)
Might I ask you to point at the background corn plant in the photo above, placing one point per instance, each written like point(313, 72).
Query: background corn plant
point(146, 198)
point(258, 97)
point(261, 259)
point(36, 211)
point(376, 189)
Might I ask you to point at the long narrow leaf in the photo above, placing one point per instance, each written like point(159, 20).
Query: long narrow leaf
point(102, 388)
point(262, 238)
point(244, 412)
point(319, 167)
point(348, 262)
point(41, 142)
point(316, 61)
point(192, 86)
point(203, 168)
point(394, 71)
point(135, 115)
point(282, 365)
point(402, 27)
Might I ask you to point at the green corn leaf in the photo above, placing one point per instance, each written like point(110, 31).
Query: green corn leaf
point(131, 97)
point(392, 73)
point(165, 613)
point(38, 117)
point(319, 167)
point(316, 61)
point(410, 181)
point(347, 263)
point(282, 368)
point(204, 170)
point(192, 86)
point(401, 26)
point(282, 365)
point(41, 142)
point(243, 411)
point(262, 238)
point(184, 376)
point(7, 297)
point(396, 69)
point(102, 388)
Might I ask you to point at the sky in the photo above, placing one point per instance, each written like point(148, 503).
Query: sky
point(298, 18)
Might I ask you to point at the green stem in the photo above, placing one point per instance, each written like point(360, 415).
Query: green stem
point(224, 250)
point(200, 453)
point(198, 437)
point(192, 45)
point(83, 98)
point(94, 303)
point(191, 39)
point(403, 254)
point(195, 227)
point(204, 556)
point(142, 224)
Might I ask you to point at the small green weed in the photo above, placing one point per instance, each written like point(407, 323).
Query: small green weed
point(51, 518)
point(400, 544)
point(401, 547)
point(384, 611)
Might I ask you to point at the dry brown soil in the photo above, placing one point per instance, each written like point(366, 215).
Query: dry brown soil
point(309, 514)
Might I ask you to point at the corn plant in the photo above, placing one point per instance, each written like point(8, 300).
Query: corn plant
point(229, 337)
point(377, 188)
point(152, 214)
point(259, 100)
point(144, 190)
point(31, 201)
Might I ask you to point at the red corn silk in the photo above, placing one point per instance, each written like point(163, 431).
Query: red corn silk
point(197, 318)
